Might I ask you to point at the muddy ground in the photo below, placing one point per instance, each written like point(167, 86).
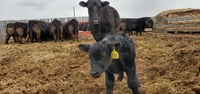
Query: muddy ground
point(166, 64)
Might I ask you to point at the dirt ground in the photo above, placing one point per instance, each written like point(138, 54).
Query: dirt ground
point(166, 64)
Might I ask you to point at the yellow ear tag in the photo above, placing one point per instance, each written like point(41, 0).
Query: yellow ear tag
point(114, 54)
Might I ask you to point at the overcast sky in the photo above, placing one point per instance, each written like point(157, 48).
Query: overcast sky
point(33, 9)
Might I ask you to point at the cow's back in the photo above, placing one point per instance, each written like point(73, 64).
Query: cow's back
point(112, 16)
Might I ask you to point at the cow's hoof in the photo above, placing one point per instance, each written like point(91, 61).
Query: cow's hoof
point(120, 77)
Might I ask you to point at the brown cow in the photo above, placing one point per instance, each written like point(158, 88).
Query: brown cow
point(38, 30)
point(72, 29)
point(56, 29)
point(20, 30)
point(10, 32)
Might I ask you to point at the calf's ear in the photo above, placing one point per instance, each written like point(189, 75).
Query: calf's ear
point(106, 3)
point(83, 4)
point(84, 47)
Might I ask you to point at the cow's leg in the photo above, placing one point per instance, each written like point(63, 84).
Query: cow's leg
point(38, 38)
point(32, 36)
point(129, 33)
point(38, 35)
point(110, 81)
point(54, 35)
point(132, 81)
point(57, 35)
point(140, 33)
point(77, 37)
point(121, 76)
point(61, 36)
point(20, 39)
point(28, 37)
point(73, 37)
point(61, 33)
point(15, 38)
point(7, 38)
point(124, 32)
point(136, 33)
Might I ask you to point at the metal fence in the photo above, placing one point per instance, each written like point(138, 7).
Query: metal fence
point(64, 19)
point(182, 19)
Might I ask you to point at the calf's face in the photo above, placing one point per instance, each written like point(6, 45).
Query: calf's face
point(94, 9)
point(100, 57)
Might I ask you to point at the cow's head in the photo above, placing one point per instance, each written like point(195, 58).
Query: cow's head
point(100, 56)
point(94, 9)
point(148, 22)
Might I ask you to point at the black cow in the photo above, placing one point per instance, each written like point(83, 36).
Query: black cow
point(56, 29)
point(20, 30)
point(142, 23)
point(10, 32)
point(38, 30)
point(102, 18)
point(71, 28)
point(137, 25)
point(128, 25)
point(102, 60)
point(84, 26)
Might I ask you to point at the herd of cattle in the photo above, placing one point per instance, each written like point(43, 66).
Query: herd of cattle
point(37, 31)
point(138, 25)
point(106, 27)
